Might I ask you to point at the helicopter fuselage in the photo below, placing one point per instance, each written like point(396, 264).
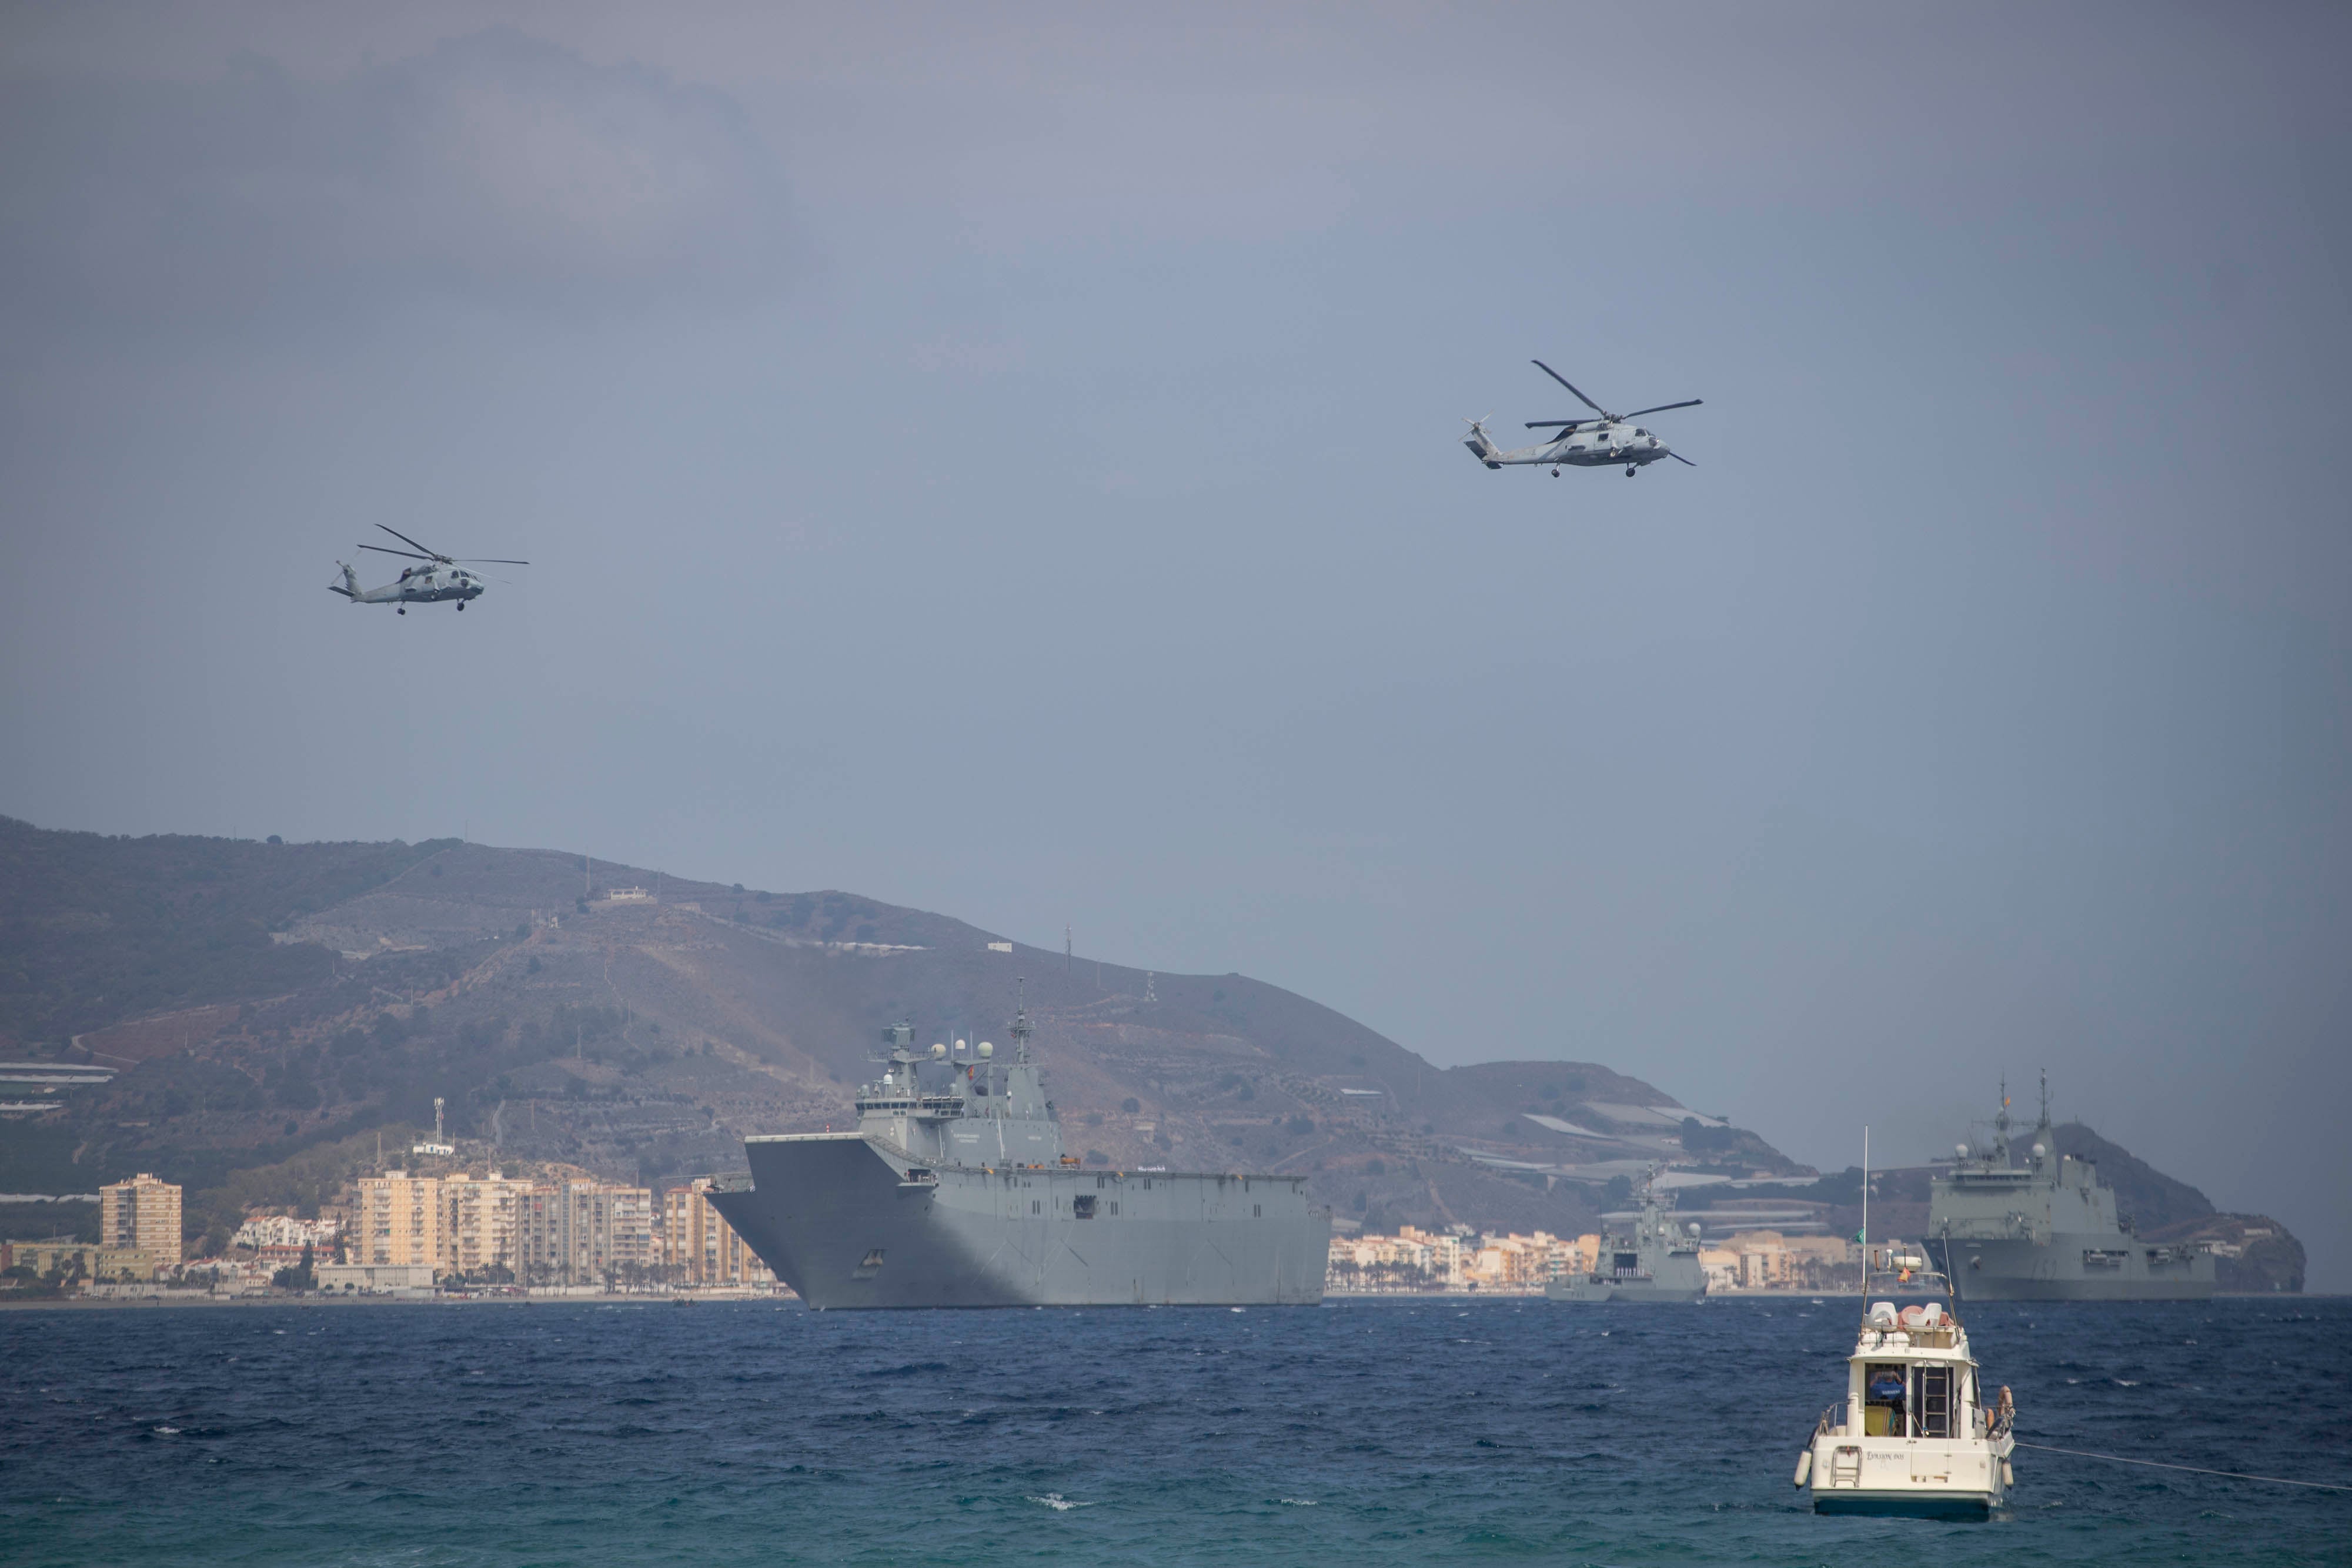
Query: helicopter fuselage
point(1601, 444)
point(426, 585)
point(420, 585)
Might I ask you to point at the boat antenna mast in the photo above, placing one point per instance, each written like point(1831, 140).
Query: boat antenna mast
point(1863, 1236)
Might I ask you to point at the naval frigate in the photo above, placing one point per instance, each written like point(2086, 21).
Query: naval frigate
point(1657, 1263)
point(2047, 1230)
point(955, 1191)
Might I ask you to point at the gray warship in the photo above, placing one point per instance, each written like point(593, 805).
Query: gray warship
point(955, 1191)
point(2047, 1230)
point(1657, 1264)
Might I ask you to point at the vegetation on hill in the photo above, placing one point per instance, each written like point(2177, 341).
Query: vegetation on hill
point(96, 929)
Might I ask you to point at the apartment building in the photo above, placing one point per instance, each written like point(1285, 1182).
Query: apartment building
point(400, 1220)
point(141, 1214)
point(79, 1259)
point(698, 1246)
point(284, 1233)
point(485, 1222)
point(585, 1232)
point(1769, 1260)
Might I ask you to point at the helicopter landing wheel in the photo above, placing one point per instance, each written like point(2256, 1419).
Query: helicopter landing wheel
point(1554, 473)
point(402, 610)
point(1630, 470)
point(461, 608)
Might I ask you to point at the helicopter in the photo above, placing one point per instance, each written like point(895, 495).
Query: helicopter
point(1582, 443)
point(441, 577)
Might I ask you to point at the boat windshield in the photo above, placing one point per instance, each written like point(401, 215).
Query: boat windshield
point(1903, 1274)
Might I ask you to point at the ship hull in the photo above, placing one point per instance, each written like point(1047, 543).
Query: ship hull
point(847, 1223)
point(2088, 1267)
point(1623, 1292)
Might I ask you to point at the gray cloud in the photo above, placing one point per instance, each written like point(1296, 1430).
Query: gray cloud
point(492, 167)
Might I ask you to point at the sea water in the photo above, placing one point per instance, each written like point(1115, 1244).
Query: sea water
point(1363, 1432)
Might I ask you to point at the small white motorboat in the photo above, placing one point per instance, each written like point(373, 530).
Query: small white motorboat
point(1917, 1434)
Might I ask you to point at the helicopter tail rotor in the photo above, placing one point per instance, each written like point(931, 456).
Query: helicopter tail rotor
point(349, 586)
point(1481, 446)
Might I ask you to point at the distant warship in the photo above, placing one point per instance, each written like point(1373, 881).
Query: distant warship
point(1658, 1263)
point(955, 1192)
point(2047, 1230)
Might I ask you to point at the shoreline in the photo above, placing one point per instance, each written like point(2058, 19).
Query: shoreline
point(1450, 1298)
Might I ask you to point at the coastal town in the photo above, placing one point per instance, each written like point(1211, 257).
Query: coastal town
point(419, 1233)
point(407, 1233)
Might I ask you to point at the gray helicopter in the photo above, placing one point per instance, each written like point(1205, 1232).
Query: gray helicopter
point(440, 578)
point(1601, 443)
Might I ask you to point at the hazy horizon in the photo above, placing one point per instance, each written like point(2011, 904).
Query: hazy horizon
point(1009, 466)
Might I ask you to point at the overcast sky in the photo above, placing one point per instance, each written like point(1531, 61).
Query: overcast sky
point(1011, 466)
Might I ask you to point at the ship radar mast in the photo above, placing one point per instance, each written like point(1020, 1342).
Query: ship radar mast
point(2001, 1125)
point(1022, 1029)
point(2045, 1142)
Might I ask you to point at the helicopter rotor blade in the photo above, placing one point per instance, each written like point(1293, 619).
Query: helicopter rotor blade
point(1680, 458)
point(1661, 408)
point(403, 538)
point(1566, 382)
point(410, 555)
point(490, 560)
point(1560, 423)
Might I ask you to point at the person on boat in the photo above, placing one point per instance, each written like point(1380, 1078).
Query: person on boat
point(1886, 1389)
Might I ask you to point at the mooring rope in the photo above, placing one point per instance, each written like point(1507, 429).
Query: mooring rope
point(2193, 1469)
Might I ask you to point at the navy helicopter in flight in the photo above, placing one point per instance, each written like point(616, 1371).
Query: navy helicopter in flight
point(1602, 443)
point(440, 578)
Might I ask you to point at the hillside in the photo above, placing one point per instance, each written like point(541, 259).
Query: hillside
point(268, 1008)
point(259, 1002)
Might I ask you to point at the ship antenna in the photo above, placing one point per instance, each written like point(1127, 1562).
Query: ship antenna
point(1021, 1030)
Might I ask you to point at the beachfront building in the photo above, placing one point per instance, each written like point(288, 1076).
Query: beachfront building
point(283, 1233)
point(1417, 1260)
point(399, 1219)
point(585, 1232)
point(1769, 1260)
point(699, 1247)
point(80, 1262)
point(486, 1216)
point(140, 1215)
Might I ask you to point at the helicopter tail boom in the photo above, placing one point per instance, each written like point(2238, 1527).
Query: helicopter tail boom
point(1480, 446)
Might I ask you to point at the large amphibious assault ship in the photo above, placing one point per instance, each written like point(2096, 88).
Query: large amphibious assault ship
point(2047, 1230)
point(954, 1191)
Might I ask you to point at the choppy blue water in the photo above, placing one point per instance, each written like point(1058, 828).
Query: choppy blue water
point(1362, 1433)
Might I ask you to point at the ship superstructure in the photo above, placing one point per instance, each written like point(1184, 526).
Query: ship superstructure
point(1657, 1262)
point(955, 1191)
point(2046, 1229)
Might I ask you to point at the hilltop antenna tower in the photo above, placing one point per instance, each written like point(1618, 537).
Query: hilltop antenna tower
point(1147, 993)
